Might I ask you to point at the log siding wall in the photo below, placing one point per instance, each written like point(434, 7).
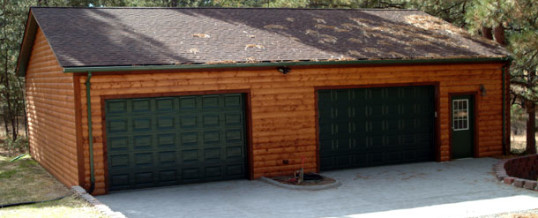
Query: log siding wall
point(51, 113)
point(283, 107)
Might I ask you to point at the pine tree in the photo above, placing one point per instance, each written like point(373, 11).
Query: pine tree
point(515, 24)
point(13, 15)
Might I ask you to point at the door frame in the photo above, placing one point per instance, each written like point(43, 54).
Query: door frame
point(436, 96)
point(474, 125)
point(248, 123)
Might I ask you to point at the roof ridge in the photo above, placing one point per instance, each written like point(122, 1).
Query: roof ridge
point(246, 8)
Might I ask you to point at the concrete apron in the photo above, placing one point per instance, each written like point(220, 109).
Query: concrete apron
point(460, 188)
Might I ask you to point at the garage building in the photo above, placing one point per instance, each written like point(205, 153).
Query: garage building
point(123, 98)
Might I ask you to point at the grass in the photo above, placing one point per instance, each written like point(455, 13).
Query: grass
point(70, 206)
point(38, 184)
point(24, 180)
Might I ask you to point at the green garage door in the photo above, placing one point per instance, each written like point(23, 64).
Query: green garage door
point(375, 126)
point(175, 140)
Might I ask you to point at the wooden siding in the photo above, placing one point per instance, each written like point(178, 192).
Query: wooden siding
point(50, 97)
point(283, 107)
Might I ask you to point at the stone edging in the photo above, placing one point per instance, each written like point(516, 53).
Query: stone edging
point(103, 208)
point(299, 187)
point(502, 176)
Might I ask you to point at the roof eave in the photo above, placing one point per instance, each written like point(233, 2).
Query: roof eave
point(283, 64)
point(26, 45)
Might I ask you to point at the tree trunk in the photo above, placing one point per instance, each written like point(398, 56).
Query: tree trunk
point(9, 110)
point(42, 3)
point(499, 34)
point(173, 3)
point(530, 105)
point(6, 126)
point(531, 127)
point(17, 125)
point(486, 33)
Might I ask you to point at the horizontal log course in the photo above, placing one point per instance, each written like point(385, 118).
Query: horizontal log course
point(51, 114)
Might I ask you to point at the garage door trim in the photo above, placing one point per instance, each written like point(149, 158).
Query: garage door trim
point(248, 122)
point(435, 86)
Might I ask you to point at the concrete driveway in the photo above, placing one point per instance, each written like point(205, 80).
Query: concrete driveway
point(460, 188)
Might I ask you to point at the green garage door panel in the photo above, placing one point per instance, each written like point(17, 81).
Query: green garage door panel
point(375, 126)
point(175, 140)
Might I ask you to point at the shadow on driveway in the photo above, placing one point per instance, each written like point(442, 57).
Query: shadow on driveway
point(459, 188)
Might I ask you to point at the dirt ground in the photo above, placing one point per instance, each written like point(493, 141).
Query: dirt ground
point(3, 129)
point(518, 143)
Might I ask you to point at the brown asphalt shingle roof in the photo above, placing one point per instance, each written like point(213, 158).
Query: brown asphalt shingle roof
point(164, 36)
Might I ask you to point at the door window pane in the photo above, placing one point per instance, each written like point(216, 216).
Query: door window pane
point(460, 114)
